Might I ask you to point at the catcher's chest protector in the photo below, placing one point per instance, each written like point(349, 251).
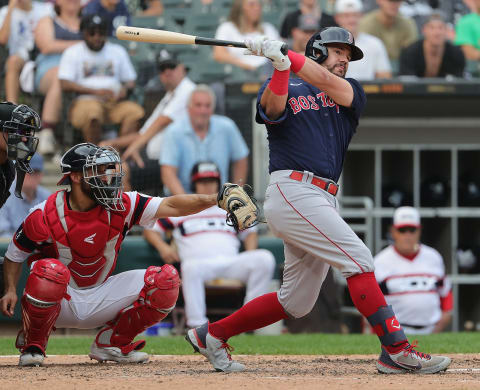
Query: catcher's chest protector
point(86, 242)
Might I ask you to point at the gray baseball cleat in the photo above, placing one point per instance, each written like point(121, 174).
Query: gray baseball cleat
point(114, 354)
point(408, 360)
point(215, 350)
point(32, 356)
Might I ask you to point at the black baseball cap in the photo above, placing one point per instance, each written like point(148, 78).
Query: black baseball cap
point(166, 60)
point(93, 21)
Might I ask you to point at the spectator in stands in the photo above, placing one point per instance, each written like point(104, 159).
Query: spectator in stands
point(244, 21)
point(103, 76)
point(305, 7)
point(16, 209)
point(394, 30)
point(432, 56)
point(53, 35)
point(173, 105)
point(152, 8)
point(18, 20)
point(468, 33)
point(209, 249)
point(115, 12)
point(307, 26)
point(412, 277)
point(375, 62)
point(202, 136)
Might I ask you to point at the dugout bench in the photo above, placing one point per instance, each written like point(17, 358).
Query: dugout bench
point(136, 253)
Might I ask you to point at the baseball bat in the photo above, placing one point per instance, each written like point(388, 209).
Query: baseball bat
point(139, 34)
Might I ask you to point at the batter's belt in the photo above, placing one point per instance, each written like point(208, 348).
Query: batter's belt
point(327, 185)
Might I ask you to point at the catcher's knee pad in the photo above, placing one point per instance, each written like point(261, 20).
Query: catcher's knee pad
point(156, 299)
point(46, 287)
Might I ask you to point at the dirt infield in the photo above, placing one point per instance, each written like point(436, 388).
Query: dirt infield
point(263, 372)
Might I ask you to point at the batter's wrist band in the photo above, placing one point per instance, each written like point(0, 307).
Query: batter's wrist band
point(279, 82)
point(297, 61)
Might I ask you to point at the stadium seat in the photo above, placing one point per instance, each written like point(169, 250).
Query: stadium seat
point(203, 25)
point(157, 22)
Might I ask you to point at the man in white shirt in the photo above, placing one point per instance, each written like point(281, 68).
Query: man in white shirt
point(412, 277)
point(208, 249)
point(375, 63)
point(18, 19)
point(103, 75)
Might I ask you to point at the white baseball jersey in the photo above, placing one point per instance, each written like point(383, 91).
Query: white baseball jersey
point(417, 289)
point(204, 235)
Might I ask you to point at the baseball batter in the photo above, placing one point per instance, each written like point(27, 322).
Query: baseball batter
point(310, 121)
point(72, 242)
point(209, 249)
point(412, 277)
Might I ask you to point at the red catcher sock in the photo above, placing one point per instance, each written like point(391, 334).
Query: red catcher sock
point(367, 298)
point(259, 312)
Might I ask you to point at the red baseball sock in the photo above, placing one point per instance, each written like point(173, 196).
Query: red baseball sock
point(259, 312)
point(368, 298)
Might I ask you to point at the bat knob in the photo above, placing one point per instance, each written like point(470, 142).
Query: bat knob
point(284, 49)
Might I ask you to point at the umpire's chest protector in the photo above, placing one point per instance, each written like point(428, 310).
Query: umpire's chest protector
point(86, 242)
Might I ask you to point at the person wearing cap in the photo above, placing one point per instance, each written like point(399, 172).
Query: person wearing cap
point(375, 63)
point(115, 12)
point(433, 55)
point(178, 86)
point(16, 209)
point(102, 76)
point(198, 136)
point(305, 7)
point(395, 31)
point(307, 26)
point(412, 277)
point(208, 249)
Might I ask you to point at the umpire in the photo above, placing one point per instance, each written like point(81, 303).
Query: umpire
point(18, 124)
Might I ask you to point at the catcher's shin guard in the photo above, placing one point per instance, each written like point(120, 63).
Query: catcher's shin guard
point(46, 287)
point(155, 301)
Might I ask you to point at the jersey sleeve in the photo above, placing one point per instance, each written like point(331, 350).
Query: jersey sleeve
point(260, 116)
point(239, 148)
point(127, 71)
point(66, 69)
point(143, 209)
point(359, 99)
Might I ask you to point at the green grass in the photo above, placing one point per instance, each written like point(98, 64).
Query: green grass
point(301, 344)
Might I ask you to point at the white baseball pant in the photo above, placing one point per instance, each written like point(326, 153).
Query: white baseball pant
point(315, 236)
point(254, 268)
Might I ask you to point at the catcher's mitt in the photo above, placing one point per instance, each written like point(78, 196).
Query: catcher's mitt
point(241, 208)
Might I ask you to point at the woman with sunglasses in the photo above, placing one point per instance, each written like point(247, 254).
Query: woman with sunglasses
point(412, 277)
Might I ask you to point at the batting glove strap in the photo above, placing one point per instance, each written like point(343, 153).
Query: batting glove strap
point(273, 51)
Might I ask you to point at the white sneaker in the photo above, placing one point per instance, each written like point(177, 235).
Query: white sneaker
point(410, 360)
point(46, 142)
point(215, 350)
point(31, 358)
point(114, 354)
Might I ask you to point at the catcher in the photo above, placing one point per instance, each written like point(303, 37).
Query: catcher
point(72, 241)
point(209, 249)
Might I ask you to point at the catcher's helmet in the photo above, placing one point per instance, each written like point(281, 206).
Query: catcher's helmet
point(204, 170)
point(19, 124)
point(106, 184)
point(316, 48)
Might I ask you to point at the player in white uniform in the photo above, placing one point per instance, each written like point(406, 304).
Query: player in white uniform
point(209, 249)
point(72, 242)
point(412, 277)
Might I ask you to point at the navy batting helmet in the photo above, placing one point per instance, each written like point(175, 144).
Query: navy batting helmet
point(316, 47)
point(204, 170)
point(106, 184)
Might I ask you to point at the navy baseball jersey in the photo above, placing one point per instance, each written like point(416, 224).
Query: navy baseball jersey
point(314, 132)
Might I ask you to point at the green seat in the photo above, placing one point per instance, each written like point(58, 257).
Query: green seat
point(203, 25)
point(157, 22)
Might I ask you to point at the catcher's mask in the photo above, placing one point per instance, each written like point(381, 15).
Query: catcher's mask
point(102, 171)
point(19, 124)
point(204, 170)
point(317, 50)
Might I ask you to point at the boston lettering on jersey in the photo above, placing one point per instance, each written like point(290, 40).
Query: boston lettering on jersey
point(314, 132)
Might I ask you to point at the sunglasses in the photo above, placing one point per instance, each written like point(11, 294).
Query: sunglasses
point(405, 229)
